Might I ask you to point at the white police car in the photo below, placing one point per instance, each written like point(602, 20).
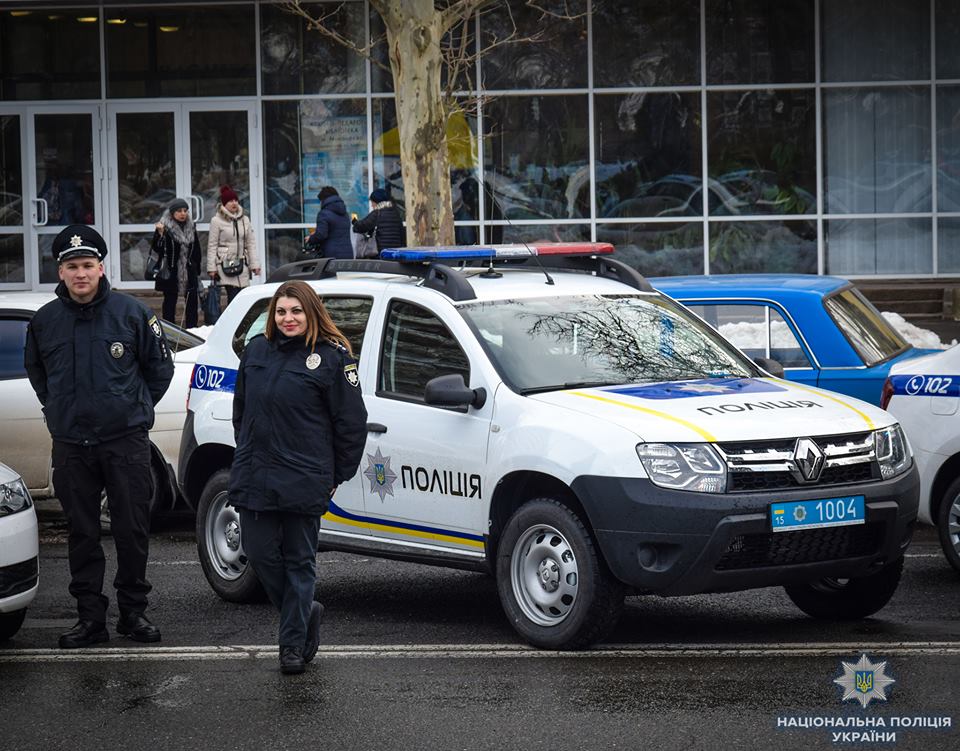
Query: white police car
point(545, 415)
point(924, 394)
point(19, 552)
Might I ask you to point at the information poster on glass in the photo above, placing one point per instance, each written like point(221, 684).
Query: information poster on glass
point(333, 152)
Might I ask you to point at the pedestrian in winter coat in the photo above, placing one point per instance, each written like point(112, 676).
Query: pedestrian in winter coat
point(176, 244)
point(98, 363)
point(331, 238)
point(385, 219)
point(231, 240)
point(300, 427)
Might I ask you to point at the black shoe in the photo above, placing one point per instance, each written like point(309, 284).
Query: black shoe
point(313, 632)
point(84, 634)
point(137, 627)
point(291, 660)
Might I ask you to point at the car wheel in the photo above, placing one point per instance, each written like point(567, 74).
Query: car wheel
point(220, 547)
point(948, 524)
point(10, 623)
point(847, 599)
point(554, 587)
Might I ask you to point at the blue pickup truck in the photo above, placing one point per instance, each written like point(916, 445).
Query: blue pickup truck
point(821, 329)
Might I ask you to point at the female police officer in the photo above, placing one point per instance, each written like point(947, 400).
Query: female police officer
point(99, 363)
point(300, 427)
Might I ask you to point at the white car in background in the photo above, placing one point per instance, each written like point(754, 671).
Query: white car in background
point(924, 395)
point(24, 441)
point(19, 552)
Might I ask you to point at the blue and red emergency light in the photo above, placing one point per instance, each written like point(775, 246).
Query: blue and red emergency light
point(491, 252)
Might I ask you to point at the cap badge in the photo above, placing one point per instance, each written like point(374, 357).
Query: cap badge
point(313, 362)
point(76, 241)
point(116, 350)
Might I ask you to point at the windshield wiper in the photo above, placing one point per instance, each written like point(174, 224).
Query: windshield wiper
point(565, 386)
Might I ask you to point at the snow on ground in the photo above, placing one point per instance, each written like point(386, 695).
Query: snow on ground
point(918, 337)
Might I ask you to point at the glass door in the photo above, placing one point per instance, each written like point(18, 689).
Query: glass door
point(160, 152)
point(13, 261)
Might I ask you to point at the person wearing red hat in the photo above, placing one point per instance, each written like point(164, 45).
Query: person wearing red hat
point(231, 245)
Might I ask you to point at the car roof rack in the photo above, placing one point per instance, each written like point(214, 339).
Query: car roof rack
point(436, 276)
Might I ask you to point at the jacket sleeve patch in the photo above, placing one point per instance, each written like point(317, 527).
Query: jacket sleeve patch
point(155, 327)
point(351, 374)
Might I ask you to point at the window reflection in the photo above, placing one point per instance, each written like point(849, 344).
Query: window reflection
point(284, 246)
point(948, 31)
point(281, 149)
point(296, 60)
point(50, 54)
point(12, 265)
point(11, 178)
point(876, 146)
point(948, 245)
point(557, 58)
point(146, 171)
point(876, 40)
point(948, 148)
point(64, 167)
point(762, 152)
point(772, 247)
point(537, 157)
point(646, 43)
point(648, 154)
point(657, 249)
point(550, 343)
point(181, 51)
point(756, 41)
point(531, 233)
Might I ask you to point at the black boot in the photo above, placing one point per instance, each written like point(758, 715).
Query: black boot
point(291, 660)
point(84, 634)
point(137, 627)
point(313, 632)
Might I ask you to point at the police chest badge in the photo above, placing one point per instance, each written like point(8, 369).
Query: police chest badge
point(351, 374)
point(116, 350)
point(313, 362)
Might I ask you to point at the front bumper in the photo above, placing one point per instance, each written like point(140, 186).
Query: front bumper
point(19, 560)
point(671, 542)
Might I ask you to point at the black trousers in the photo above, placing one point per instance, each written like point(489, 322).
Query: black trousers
point(191, 310)
point(80, 474)
point(282, 548)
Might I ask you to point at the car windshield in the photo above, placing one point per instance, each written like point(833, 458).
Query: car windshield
point(868, 332)
point(179, 339)
point(552, 343)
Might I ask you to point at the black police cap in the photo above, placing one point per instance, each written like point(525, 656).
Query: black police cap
point(76, 241)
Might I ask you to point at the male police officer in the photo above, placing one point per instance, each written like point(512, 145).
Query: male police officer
point(99, 363)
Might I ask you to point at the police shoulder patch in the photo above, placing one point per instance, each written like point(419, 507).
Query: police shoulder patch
point(154, 325)
point(351, 374)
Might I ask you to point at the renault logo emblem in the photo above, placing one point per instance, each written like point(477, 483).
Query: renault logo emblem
point(808, 460)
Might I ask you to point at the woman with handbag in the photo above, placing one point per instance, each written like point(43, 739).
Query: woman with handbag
point(176, 271)
point(231, 245)
point(331, 238)
point(384, 223)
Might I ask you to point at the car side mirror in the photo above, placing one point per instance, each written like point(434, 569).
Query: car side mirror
point(451, 391)
point(770, 365)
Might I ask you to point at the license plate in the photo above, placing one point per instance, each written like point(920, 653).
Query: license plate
point(790, 516)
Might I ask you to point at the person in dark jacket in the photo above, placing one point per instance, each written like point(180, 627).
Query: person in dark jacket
point(331, 238)
point(385, 219)
point(99, 363)
point(300, 427)
point(175, 242)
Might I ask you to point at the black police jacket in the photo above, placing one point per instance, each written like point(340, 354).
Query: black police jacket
point(99, 368)
point(300, 430)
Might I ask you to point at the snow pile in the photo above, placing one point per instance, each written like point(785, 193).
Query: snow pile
point(920, 338)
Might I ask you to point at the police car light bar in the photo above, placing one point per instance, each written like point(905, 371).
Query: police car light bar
point(491, 252)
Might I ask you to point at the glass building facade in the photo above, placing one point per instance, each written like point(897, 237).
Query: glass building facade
point(825, 134)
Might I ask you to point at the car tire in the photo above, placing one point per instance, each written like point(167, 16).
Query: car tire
point(948, 524)
point(10, 623)
point(847, 599)
point(219, 544)
point(556, 590)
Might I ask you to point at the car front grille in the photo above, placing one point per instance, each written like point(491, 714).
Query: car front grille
point(19, 577)
point(770, 465)
point(804, 546)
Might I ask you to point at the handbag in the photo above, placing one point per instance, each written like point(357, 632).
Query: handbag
point(157, 271)
point(211, 304)
point(367, 245)
point(234, 268)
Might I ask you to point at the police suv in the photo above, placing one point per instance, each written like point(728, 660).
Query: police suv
point(543, 414)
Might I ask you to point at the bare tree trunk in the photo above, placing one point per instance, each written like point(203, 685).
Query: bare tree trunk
point(414, 31)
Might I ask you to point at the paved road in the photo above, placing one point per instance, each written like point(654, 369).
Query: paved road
point(417, 657)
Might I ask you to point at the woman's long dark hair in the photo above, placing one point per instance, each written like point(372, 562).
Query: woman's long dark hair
point(319, 323)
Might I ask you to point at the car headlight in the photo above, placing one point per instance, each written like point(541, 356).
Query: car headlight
point(14, 497)
point(684, 466)
point(892, 452)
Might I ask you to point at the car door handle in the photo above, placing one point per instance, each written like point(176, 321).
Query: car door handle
point(376, 427)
